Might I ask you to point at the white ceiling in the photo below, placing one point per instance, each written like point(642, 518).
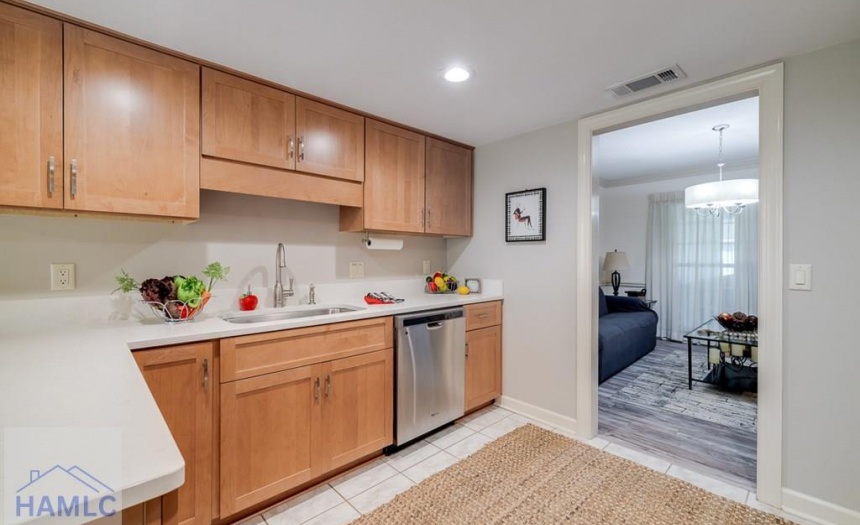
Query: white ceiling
point(536, 63)
point(683, 145)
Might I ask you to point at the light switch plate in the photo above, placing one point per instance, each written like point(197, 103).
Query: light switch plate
point(356, 270)
point(800, 277)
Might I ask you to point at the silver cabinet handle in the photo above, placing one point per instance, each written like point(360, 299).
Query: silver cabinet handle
point(292, 147)
point(328, 386)
point(317, 390)
point(483, 316)
point(423, 214)
point(428, 218)
point(467, 350)
point(73, 178)
point(51, 169)
point(206, 373)
point(301, 148)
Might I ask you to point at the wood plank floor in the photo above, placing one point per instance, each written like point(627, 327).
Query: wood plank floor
point(648, 406)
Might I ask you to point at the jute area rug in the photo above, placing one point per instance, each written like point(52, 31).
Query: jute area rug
point(534, 476)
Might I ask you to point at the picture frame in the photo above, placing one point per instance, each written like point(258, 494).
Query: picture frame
point(473, 284)
point(525, 215)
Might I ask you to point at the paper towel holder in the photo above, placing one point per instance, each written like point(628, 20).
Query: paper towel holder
point(377, 243)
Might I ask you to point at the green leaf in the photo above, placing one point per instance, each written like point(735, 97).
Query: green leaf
point(215, 272)
point(126, 282)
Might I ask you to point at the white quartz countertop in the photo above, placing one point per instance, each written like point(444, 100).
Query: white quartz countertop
point(82, 375)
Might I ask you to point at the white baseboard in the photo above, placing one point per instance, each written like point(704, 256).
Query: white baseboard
point(537, 413)
point(818, 510)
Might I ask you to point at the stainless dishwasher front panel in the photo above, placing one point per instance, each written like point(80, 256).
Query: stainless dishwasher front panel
point(431, 367)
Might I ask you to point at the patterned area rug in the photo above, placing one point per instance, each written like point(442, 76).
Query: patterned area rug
point(534, 476)
point(661, 383)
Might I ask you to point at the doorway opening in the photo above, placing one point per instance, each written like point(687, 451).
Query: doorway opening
point(767, 84)
point(672, 381)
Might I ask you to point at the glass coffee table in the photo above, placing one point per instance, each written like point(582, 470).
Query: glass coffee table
point(723, 346)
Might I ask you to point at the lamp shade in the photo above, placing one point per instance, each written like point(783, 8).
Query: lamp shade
point(615, 262)
point(722, 194)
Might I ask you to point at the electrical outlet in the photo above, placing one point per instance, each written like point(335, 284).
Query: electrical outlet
point(356, 270)
point(63, 276)
point(425, 268)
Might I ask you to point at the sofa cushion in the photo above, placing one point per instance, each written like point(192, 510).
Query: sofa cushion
point(602, 307)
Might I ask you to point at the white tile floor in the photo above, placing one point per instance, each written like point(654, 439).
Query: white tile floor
point(347, 497)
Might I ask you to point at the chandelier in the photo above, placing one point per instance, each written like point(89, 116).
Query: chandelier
point(730, 196)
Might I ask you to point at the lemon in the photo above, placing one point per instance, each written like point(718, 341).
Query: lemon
point(463, 290)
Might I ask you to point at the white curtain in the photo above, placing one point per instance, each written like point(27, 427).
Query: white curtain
point(697, 267)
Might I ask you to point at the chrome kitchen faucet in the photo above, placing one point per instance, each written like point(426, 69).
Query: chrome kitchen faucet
point(280, 264)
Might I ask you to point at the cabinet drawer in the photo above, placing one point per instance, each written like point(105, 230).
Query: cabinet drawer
point(253, 355)
point(483, 315)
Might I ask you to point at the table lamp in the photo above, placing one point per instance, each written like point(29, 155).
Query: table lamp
point(613, 262)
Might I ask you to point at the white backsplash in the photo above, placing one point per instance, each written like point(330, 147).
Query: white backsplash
point(239, 231)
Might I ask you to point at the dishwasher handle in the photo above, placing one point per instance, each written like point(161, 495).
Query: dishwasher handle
point(435, 325)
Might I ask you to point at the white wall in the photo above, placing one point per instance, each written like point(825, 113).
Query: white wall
point(539, 315)
point(624, 217)
point(822, 227)
point(822, 186)
point(238, 230)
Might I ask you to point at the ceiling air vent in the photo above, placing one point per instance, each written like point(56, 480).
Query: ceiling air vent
point(661, 76)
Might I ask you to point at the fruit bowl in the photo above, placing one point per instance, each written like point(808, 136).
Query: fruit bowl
point(176, 311)
point(441, 283)
point(737, 322)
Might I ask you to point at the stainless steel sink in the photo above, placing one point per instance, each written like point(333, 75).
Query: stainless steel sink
point(289, 314)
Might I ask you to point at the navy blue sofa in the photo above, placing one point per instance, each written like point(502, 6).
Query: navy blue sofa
point(627, 331)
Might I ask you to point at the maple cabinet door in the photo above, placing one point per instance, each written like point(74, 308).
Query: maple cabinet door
point(267, 427)
point(31, 109)
point(247, 121)
point(358, 408)
point(448, 189)
point(393, 179)
point(483, 366)
point(179, 379)
point(330, 141)
point(132, 128)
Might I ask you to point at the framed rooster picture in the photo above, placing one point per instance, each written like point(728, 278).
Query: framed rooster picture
point(525, 215)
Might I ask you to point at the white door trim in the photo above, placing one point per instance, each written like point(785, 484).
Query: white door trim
point(768, 83)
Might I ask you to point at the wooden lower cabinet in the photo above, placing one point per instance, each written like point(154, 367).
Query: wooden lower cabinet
point(358, 408)
point(267, 436)
point(483, 364)
point(179, 379)
point(281, 429)
point(158, 511)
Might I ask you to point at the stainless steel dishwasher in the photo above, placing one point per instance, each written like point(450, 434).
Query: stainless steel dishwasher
point(430, 363)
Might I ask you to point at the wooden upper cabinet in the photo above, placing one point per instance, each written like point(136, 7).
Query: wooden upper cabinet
point(247, 121)
point(132, 128)
point(31, 109)
point(358, 407)
point(179, 378)
point(393, 179)
point(330, 141)
point(448, 189)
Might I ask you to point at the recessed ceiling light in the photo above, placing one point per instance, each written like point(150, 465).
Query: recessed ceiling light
point(457, 74)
